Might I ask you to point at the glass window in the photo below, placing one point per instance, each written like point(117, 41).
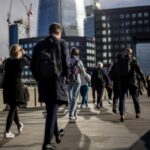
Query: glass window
point(104, 39)
point(133, 22)
point(109, 39)
point(122, 46)
point(103, 18)
point(122, 38)
point(146, 14)
point(109, 54)
point(146, 29)
point(121, 16)
point(71, 43)
point(104, 54)
point(104, 47)
point(103, 32)
point(140, 22)
point(139, 14)
point(127, 31)
point(104, 25)
point(133, 15)
point(77, 44)
point(109, 32)
point(25, 45)
point(128, 38)
point(127, 23)
point(30, 45)
point(146, 21)
point(105, 61)
point(128, 45)
point(127, 15)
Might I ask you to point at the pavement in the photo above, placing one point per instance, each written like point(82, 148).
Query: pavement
point(93, 130)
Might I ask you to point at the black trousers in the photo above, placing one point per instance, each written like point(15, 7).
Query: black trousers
point(51, 126)
point(100, 91)
point(12, 116)
point(134, 93)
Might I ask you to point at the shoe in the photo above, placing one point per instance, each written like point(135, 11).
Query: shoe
point(98, 106)
point(9, 135)
point(20, 128)
point(138, 116)
point(114, 110)
point(72, 119)
point(110, 101)
point(122, 119)
point(48, 147)
point(61, 134)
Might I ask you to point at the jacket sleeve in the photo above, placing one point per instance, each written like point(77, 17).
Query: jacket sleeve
point(139, 71)
point(65, 58)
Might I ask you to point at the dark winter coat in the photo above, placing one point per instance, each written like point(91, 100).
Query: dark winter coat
point(12, 85)
point(55, 88)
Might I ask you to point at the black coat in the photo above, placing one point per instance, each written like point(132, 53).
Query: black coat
point(48, 90)
point(12, 86)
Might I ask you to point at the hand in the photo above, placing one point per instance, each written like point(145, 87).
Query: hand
point(23, 51)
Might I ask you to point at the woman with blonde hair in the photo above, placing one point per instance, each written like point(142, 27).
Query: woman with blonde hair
point(12, 86)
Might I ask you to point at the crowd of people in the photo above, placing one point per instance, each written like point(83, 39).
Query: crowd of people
point(61, 76)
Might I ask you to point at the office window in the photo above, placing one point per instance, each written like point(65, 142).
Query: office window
point(121, 16)
point(104, 47)
point(104, 54)
point(30, 45)
point(105, 61)
point(133, 22)
point(104, 40)
point(127, 31)
point(71, 43)
point(103, 32)
point(128, 38)
point(146, 21)
point(127, 23)
point(109, 39)
point(127, 15)
point(139, 14)
point(109, 32)
point(77, 44)
point(122, 46)
point(133, 15)
point(104, 25)
point(140, 22)
point(146, 14)
point(103, 17)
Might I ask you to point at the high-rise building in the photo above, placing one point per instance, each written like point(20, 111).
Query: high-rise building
point(89, 27)
point(17, 31)
point(70, 13)
point(120, 28)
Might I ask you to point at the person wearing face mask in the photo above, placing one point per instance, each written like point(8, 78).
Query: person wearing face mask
point(127, 69)
point(13, 87)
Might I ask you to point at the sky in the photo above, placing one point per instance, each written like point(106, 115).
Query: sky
point(18, 11)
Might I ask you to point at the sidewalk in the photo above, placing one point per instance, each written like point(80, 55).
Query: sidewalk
point(94, 129)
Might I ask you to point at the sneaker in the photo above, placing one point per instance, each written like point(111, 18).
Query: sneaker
point(20, 128)
point(48, 147)
point(110, 101)
point(9, 135)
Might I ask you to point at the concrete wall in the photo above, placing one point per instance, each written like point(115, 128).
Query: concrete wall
point(33, 102)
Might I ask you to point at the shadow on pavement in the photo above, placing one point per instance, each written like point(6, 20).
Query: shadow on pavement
point(74, 139)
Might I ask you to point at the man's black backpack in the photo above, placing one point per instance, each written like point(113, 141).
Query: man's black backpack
point(49, 63)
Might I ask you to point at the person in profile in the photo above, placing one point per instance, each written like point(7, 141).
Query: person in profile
point(49, 64)
point(13, 88)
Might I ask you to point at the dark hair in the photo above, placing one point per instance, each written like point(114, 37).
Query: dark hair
point(55, 28)
point(74, 51)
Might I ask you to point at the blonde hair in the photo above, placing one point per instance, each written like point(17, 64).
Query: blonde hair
point(14, 51)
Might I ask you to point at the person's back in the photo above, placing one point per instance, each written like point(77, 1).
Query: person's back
point(49, 66)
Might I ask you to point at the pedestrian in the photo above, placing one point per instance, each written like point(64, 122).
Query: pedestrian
point(13, 88)
point(99, 80)
point(127, 70)
point(93, 86)
point(148, 85)
point(85, 83)
point(115, 87)
point(76, 69)
point(49, 64)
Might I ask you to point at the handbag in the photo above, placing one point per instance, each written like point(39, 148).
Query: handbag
point(62, 91)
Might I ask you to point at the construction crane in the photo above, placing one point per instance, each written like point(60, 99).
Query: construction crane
point(9, 14)
point(29, 13)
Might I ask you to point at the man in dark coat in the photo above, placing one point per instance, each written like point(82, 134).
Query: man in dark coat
point(48, 89)
point(128, 81)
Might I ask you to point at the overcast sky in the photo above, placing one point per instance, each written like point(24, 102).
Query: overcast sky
point(18, 11)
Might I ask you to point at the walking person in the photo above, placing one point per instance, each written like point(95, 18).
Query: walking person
point(76, 69)
point(85, 82)
point(99, 80)
point(49, 65)
point(115, 87)
point(13, 87)
point(127, 70)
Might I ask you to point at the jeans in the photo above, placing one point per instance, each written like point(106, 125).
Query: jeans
point(73, 95)
point(134, 93)
point(84, 93)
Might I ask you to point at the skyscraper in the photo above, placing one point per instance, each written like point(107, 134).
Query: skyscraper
point(70, 13)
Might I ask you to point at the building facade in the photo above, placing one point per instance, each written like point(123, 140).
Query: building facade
point(117, 29)
point(70, 13)
point(86, 46)
point(16, 32)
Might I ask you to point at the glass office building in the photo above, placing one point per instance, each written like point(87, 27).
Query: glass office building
point(70, 13)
